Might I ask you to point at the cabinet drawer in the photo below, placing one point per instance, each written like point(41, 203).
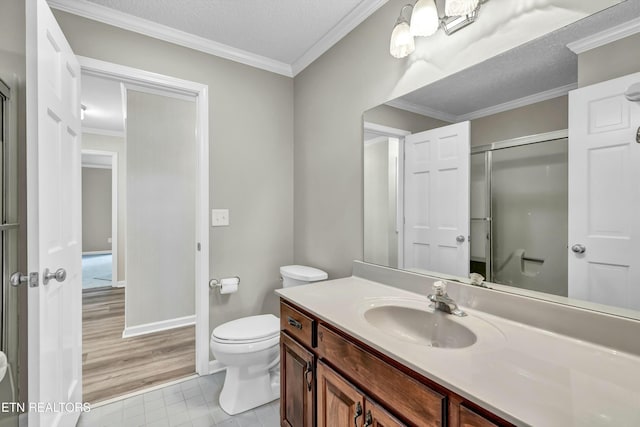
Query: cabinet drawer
point(298, 325)
point(410, 400)
point(469, 418)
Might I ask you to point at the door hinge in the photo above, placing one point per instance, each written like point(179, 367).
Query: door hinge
point(198, 246)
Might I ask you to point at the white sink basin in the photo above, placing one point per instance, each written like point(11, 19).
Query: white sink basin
point(434, 329)
point(413, 321)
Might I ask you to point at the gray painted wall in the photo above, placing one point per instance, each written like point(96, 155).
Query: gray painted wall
point(161, 202)
point(116, 145)
point(608, 62)
point(357, 74)
point(96, 209)
point(251, 160)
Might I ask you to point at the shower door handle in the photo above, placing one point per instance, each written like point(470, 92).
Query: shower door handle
point(579, 249)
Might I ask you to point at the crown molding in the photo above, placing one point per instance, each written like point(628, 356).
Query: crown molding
point(145, 27)
point(422, 110)
point(605, 37)
point(521, 102)
point(340, 30)
point(500, 108)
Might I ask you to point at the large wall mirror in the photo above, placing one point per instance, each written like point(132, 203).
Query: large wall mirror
point(523, 169)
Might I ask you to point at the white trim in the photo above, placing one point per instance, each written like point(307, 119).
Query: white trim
point(216, 366)
point(154, 91)
point(163, 325)
point(95, 166)
point(376, 140)
point(201, 92)
point(495, 109)
point(520, 141)
point(121, 284)
point(422, 110)
point(383, 130)
point(605, 37)
point(96, 253)
point(148, 28)
point(104, 132)
point(521, 102)
point(356, 17)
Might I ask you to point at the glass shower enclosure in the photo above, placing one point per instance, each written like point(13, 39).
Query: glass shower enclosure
point(519, 213)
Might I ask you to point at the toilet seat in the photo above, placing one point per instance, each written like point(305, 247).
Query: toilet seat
point(247, 335)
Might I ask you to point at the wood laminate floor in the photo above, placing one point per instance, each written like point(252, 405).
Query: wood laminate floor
point(112, 365)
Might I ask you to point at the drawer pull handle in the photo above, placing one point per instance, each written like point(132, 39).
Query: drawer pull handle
point(308, 370)
point(293, 322)
point(357, 415)
point(368, 421)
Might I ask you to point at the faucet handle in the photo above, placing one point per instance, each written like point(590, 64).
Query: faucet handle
point(440, 288)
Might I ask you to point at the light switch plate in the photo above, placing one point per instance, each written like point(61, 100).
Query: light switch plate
point(219, 217)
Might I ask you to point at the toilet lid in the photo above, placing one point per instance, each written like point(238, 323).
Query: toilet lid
point(248, 328)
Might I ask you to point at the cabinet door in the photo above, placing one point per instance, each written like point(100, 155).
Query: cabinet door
point(339, 403)
point(376, 416)
point(297, 388)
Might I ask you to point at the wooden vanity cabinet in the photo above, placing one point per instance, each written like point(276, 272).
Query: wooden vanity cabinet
point(342, 404)
point(297, 387)
point(329, 379)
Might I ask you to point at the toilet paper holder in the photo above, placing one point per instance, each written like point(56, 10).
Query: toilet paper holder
point(217, 283)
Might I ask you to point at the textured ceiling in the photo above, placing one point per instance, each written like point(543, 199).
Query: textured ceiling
point(538, 66)
point(278, 29)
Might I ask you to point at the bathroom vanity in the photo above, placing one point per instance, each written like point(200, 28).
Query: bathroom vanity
point(353, 353)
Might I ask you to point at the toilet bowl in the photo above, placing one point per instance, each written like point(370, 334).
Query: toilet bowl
point(249, 348)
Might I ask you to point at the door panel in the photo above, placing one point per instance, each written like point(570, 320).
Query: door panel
point(53, 219)
point(297, 388)
point(604, 197)
point(436, 200)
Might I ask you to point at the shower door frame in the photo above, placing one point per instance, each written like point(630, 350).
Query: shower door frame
point(488, 150)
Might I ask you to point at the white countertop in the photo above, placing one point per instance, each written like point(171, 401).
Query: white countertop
point(528, 376)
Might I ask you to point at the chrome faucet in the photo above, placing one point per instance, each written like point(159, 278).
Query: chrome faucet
point(441, 300)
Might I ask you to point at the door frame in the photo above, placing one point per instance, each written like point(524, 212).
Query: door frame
point(114, 209)
point(167, 84)
point(391, 132)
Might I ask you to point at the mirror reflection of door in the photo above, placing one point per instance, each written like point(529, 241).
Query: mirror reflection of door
point(436, 200)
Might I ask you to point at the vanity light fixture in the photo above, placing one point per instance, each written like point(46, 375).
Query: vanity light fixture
point(425, 20)
point(402, 43)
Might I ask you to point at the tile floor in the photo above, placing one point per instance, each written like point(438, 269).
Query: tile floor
point(192, 403)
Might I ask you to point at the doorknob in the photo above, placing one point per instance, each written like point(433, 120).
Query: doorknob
point(460, 239)
point(18, 278)
point(579, 249)
point(59, 275)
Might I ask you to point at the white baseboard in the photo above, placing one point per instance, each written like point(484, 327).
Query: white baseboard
point(97, 253)
point(216, 366)
point(163, 325)
point(121, 284)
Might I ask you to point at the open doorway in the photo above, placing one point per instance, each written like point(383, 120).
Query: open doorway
point(140, 330)
point(100, 243)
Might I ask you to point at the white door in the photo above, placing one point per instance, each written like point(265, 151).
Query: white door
point(436, 200)
point(53, 220)
point(604, 194)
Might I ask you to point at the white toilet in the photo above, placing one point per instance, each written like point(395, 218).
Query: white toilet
point(249, 348)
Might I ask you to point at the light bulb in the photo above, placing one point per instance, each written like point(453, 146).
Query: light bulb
point(424, 19)
point(402, 43)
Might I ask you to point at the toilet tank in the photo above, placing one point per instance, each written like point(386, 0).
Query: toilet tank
point(294, 275)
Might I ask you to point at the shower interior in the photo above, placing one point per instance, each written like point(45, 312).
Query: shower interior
point(519, 213)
